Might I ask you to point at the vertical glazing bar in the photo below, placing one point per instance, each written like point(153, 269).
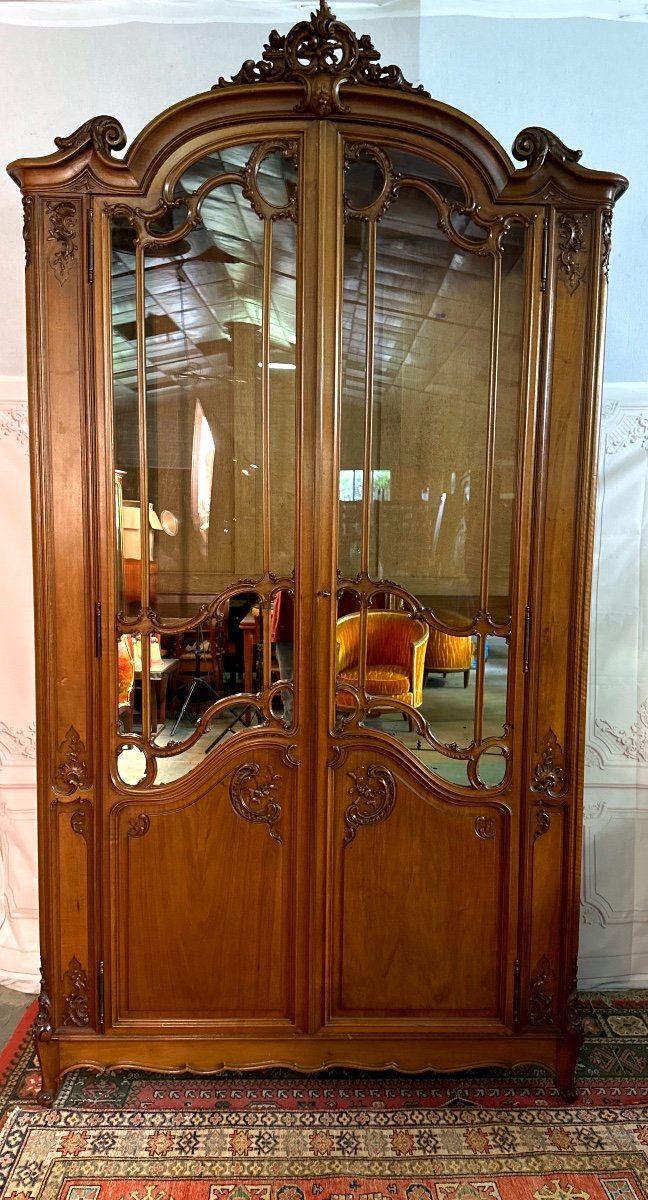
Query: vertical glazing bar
point(265, 441)
point(488, 491)
point(367, 479)
point(140, 316)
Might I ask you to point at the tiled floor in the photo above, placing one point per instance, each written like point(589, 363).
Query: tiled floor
point(12, 1007)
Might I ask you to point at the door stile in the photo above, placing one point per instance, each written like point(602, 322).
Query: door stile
point(322, 233)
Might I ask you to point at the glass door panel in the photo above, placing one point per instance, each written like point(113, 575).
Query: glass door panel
point(205, 419)
point(430, 400)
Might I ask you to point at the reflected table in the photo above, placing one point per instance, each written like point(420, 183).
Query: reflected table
point(163, 675)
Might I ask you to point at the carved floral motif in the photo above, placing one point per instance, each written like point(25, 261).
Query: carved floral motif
point(63, 231)
point(251, 795)
point(543, 821)
point(72, 773)
point(43, 1027)
point(549, 774)
point(375, 792)
point(571, 240)
point(321, 54)
point(28, 229)
point(606, 241)
point(75, 994)
point(541, 988)
point(633, 742)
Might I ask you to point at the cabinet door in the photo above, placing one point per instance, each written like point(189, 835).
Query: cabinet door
point(203, 832)
point(423, 788)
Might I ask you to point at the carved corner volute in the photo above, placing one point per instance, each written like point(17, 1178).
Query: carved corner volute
point(103, 134)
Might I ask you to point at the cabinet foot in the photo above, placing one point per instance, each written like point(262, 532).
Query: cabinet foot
point(566, 1062)
point(49, 1063)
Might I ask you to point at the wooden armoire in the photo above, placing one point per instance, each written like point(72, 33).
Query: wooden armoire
point(314, 372)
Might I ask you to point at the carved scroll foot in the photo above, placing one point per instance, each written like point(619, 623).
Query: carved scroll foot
point(566, 1061)
point(50, 1069)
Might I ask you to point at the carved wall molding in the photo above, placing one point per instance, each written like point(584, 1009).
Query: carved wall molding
point(19, 743)
point(75, 984)
point(374, 790)
point(251, 796)
point(541, 994)
point(549, 773)
point(571, 242)
point(321, 54)
point(630, 431)
point(14, 423)
point(632, 742)
point(72, 773)
point(63, 231)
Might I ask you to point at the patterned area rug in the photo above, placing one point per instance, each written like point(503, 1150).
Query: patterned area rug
point(339, 1136)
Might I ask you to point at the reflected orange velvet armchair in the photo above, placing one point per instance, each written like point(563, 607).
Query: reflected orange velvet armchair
point(447, 653)
point(396, 646)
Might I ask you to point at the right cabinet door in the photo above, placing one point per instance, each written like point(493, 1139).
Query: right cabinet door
point(434, 405)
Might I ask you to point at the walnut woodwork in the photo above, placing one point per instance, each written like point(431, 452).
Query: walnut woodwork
point(310, 894)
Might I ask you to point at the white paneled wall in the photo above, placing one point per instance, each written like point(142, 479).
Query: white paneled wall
point(614, 931)
point(18, 873)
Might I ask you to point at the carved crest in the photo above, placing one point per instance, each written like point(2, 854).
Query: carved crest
point(375, 792)
point(72, 773)
point(321, 54)
point(541, 994)
point(75, 995)
point(251, 794)
point(549, 774)
point(537, 145)
point(63, 221)
point(571, 241)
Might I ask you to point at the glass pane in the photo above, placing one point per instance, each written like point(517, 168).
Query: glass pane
point(354, 374)
point(495, 687)
point(125, 419)
point(282, 631)
point(509, 385)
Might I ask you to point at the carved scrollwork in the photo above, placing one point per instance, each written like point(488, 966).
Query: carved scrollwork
point(541, 990)
point(28, 229)
point(63, 221)
point(72, 773)
point(571, 240)
point(251, 795)
point(75, 995)
point(535, 145)
point(378, 207)
point(139, 825)
point(375, 792)
point(251, 191)
point(606, 241)
point(485, 828)
point(43, 1028)
point(321, 54)
point(103, 133)
point(543, 821)
point(549, 774)
point(80, 818)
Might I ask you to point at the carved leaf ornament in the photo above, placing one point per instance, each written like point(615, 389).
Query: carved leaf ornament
point(252, 791)
point(374, 793)
point(321, 54)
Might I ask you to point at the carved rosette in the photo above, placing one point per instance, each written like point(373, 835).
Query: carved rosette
point(321, 54)
point(63, 231)
point(541, 994)
point(75, 994)
point(374, 793)
point(72, 773)
point(549, 773)
point(28, 229)
point(251, 796)
point(571, 241)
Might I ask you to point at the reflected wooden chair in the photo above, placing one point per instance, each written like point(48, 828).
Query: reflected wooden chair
point(396, 645)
